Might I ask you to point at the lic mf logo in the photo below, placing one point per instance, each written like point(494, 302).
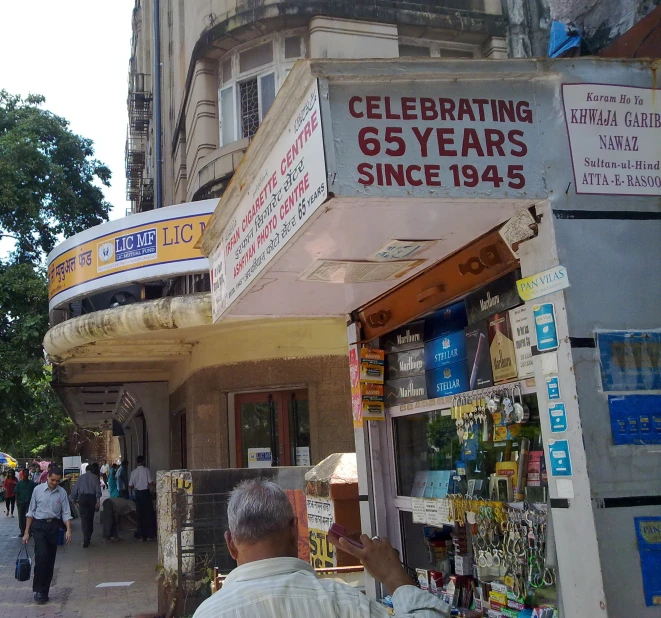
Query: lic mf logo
point(106, 252)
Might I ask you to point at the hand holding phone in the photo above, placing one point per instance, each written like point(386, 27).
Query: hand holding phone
point(337, 532)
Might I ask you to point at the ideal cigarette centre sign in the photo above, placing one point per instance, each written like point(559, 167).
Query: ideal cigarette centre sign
point(287, 191)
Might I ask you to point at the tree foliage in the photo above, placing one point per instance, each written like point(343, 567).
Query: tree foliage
point(47, 177)
point(49, 190)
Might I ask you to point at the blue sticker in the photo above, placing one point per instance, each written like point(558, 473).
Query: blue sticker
point(560, 458)
point(558, 417)
point(547, 335)
point(553, 387)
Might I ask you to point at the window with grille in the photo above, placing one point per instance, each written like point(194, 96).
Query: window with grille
point(249, 80)
point(249, 97)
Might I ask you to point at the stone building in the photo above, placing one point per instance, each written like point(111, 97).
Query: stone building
point(135, 349)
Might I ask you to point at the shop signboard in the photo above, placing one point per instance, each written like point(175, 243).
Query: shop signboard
point(630, 360)
point(551, 280)
point(151, 245)
point(648, 534)
point(455, 138)
point(495, 297)
point(614, 134)
point(287, 191)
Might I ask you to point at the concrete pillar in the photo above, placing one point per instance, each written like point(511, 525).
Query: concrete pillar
point(154, 401)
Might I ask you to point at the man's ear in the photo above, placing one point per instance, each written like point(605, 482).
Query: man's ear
point(234, 552)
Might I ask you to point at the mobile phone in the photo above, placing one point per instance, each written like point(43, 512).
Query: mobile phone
point(337, 532)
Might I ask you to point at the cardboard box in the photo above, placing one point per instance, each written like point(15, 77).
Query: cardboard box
point(448, 320)
point(501, 348)
point(478, 358)
point(447, 380)
point(445, 350)
point(405, 390)
point(496, 297)
point(405, 364)
point(404, 338)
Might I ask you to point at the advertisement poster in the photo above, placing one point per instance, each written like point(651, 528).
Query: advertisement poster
point(320, 518)
point(259, 458)
point(614, 138)
point(630, 360)
point(648, 533)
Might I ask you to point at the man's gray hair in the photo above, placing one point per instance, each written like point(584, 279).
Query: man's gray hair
point(257, 509)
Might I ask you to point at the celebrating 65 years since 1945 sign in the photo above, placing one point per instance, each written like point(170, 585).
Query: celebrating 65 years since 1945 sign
point(288, 189)
point(614, 136)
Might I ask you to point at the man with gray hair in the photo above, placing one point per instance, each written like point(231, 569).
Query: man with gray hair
point(271, 582)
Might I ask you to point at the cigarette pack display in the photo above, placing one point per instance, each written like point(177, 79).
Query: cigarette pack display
point(501, 348)
point(405, 390)
point(404, 364)
point(447, 380)
point(445, 350)
point(496, 297)
point(404, 338)
point(448, 320)
point(372, 355)
point(371, 372)
point(477, 356)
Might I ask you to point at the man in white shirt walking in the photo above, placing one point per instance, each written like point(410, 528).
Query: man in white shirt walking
point(140, 483)
point(271, 581)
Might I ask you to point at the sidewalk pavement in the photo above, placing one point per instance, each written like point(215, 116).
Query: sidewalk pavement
point(78, 571)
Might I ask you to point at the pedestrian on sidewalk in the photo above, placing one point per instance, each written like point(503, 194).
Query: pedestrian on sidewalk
point(140, 483)
point(123, 479)
point(49, 507)
point(112, 481)
point(9, 485)
point(43, 477)
point(104, 473)
point(87, 493)
point(113, 511)
point(24, 489)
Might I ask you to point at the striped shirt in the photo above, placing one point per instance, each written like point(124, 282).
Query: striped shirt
point(47, 503)
point(289, 588)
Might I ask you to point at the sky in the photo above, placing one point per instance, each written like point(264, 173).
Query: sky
point(76, 54)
